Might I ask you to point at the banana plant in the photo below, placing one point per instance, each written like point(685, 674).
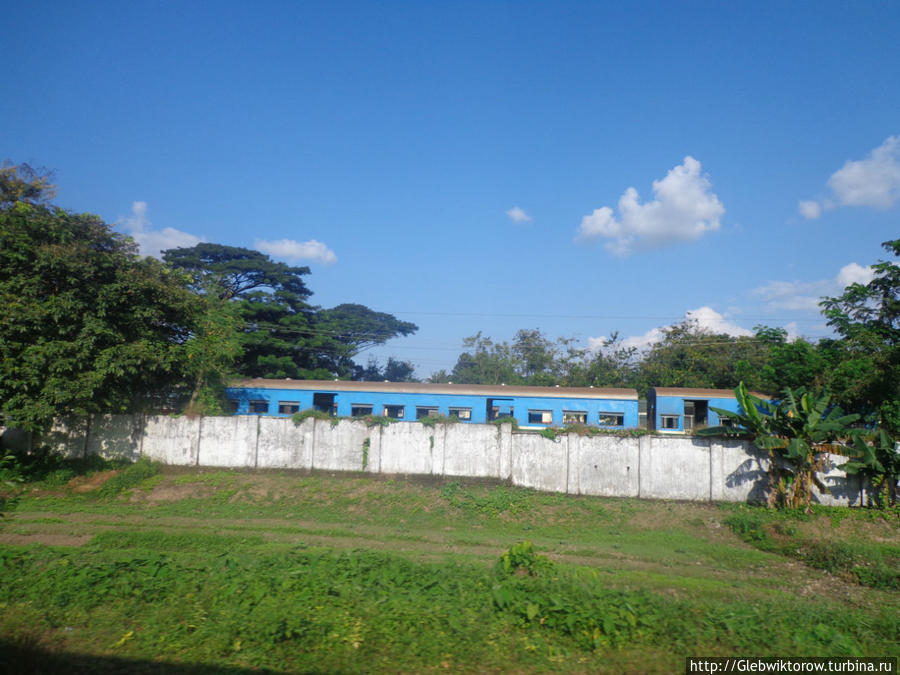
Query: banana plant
point(796, 431)
point(877, 458)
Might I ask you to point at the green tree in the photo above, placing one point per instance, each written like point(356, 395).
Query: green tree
point(689, 356)
point(612, 365)
point(87, 326)
point(277, 337)
point(211, 354)
point(282, 335)
point(796, 431)
point(866, 370)
point(877, 459)
point(485, 362)
point(794, 364)
point(350, 329)
point(24, 183)
point(393, 371)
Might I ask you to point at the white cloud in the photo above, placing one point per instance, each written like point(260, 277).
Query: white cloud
point(854, 274)
point(152, 242)
point(805, 295)
point(710, 321)
point(793, 331)
point(683, 209)
point(517, 215)
point(296, 251)
point(810, 210)
point(707, 319)
point(873, 182)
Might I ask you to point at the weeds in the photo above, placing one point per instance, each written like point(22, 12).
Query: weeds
point(553, 433)
point(433, 420)
point(492, 502)
point(778, 532)
point(362, 611)
point(128, 478)
point(237, 578)
point(506, 419)
point(311, 413)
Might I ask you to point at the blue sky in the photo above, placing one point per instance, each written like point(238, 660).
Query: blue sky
point(577, 167)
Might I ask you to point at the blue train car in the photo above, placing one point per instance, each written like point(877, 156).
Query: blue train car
point(683, 410)
point(532, 407)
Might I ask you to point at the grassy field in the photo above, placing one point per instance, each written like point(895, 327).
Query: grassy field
point(202, 571)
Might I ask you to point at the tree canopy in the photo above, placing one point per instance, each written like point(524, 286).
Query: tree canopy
point(87, 325)
point(24, 183)
point(865, 373)
point(282, 335)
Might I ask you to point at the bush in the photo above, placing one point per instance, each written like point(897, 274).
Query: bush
point(299, 417)
point(132, 475)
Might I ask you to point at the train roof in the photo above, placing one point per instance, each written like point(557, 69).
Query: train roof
point(489, 390)
point(688, 392)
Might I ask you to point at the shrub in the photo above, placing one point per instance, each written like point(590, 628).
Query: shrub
point(132, 475)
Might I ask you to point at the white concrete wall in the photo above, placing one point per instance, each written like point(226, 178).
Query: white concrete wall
point(843, 490)
point(67, 436)
point(285, 445)
point(115, 436)
point(539, 462)
point(738, 472)
point(338, 447)
point(407, 448)
point(674, 468)
point(470, 450)
point(228, 441)
point(651, 467)
point(604, 465)
point(171, 440)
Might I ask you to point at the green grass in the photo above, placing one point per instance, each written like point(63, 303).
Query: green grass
point(871, 563)
point(248, 571)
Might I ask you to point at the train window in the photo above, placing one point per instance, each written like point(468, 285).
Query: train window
point(425, 411)
point(461, 413)
point(497, 412)
point(233, 405)
point(288, 407)
point(574, 417)
point(395, 411)
point(540, 417)
point(259, 407)
point(360, 409)
point(611, 419)
point(669, 421)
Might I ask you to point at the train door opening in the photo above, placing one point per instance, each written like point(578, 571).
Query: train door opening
point(497, 408)
point(696, 415)
point(325, 403)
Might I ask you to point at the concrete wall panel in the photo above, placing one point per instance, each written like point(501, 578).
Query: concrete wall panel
point(407, 448)
point(115, 436)
point(171, 440)
point(67, 436)
point(604, 465)
point(540, 463)
point(283, 444)
point(339, 447)
point(674, 468)
point(843, 490)
point(228, 441)
point(504, 439)
point(738, 471)
point(471, 450)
